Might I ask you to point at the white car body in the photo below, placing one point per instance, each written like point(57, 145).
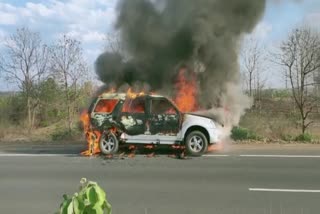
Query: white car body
point(150, 119)
point(190, 121)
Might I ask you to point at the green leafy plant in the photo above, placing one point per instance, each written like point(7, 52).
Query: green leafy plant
point(239, 133)
point(91, 199)
point(304, 137)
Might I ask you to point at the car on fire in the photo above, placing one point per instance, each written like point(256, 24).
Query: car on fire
point(151, 120)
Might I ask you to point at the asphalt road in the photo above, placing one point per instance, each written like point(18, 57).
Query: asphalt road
point(241, 180)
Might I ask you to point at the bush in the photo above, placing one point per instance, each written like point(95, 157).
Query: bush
point(90, 199)
point(304, 137)
point(12, 109)
point(239, 133)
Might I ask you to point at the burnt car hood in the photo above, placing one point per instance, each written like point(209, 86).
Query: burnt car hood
point(211, 117)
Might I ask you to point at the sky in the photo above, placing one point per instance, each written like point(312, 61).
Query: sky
point(91, 20)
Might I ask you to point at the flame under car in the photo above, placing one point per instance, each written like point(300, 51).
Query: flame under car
point(149, 120)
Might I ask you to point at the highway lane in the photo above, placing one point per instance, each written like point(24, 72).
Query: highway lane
point(229, 183)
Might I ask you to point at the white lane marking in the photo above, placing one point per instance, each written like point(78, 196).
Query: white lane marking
point(34, 155)
point(215, 155)
point(284, 190)
point(282, 156)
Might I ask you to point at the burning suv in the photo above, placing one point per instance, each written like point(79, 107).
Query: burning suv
point(149, 120)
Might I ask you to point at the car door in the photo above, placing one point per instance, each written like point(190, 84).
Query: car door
point(133, 116)
point(101, 112)
point(164, 117)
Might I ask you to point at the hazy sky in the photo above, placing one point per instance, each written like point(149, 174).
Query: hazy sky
point(90, 20)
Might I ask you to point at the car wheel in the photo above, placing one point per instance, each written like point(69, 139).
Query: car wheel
point(109, 144)
point(196, 143)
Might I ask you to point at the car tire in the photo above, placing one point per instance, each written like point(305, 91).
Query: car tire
point(109, 144)
point(196, 143)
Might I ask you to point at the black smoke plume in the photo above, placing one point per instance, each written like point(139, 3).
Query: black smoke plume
point(160, 35)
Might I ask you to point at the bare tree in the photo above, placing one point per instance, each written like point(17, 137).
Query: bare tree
point(69, 68)
point(25, 63)
point(259, 83)
point(316, 78)
point(300, 56)
point(252, 66)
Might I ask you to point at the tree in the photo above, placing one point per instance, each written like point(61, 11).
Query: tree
point(50, 102)
point(25, 63)
point(69, 68)
point(316, 79)
point(252, 66)
point(300, 56)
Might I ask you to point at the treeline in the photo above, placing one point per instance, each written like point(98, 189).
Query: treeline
point(51, 81)
point(52, 84)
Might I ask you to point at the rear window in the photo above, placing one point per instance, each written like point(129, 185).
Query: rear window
point(105, 106)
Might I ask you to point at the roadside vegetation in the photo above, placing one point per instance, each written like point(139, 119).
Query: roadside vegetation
point(288, 114)
point(52, 87)
point(275, 118)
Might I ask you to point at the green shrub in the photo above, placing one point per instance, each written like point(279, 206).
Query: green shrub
point(90, 199)
point(239, 133)
point(306, 137)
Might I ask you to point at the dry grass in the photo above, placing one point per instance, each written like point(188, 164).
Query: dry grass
point(12, 133)
point(278, 120)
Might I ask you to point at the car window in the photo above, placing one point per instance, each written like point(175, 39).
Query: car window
point(136, 105)
point(162, 106)
point(105, 105)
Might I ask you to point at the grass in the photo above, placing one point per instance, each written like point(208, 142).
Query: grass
point(277, 125)
point(53, 132)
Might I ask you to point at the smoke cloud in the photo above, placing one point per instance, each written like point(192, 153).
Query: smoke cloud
point(158, 36)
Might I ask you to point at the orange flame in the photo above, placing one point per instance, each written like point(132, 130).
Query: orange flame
point(127, 106)
point(85, 119)
point(131, 94)
point(186, 91)
point(92, 137)
point(106, 106)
